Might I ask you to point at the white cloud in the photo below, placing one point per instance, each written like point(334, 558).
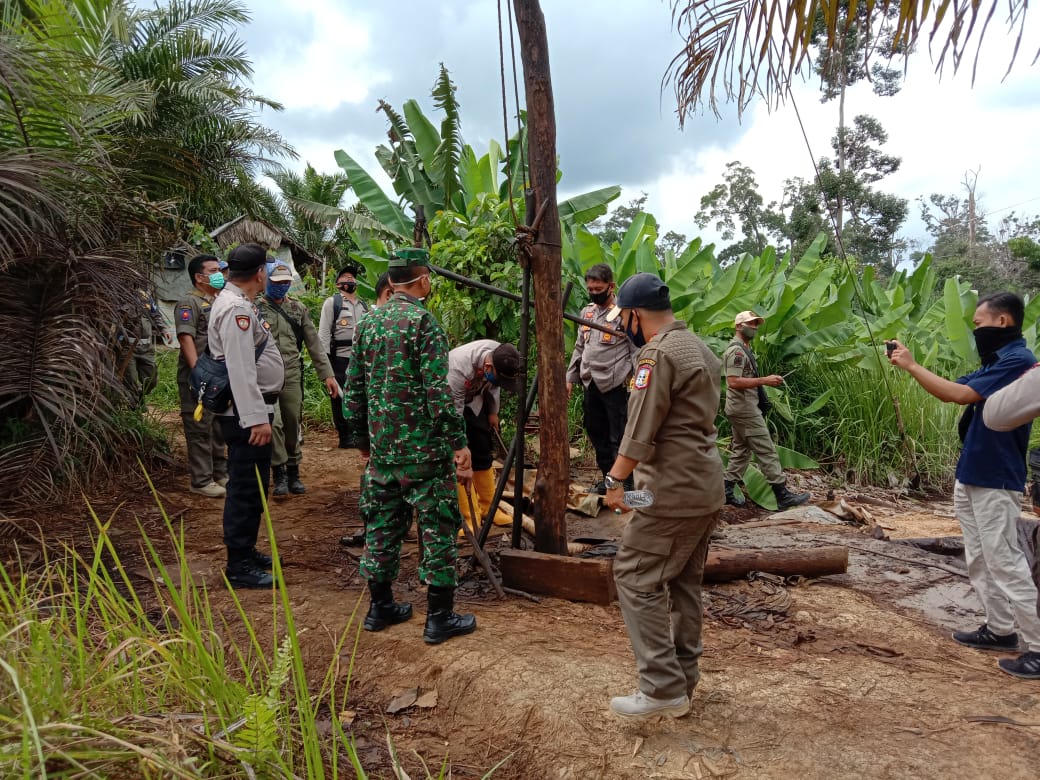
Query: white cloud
point(333, 64)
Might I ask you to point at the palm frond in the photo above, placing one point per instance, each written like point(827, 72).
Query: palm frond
point(737, 49)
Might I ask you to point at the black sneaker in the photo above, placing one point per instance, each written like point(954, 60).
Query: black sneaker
point(1026, 666)
point(984, 639)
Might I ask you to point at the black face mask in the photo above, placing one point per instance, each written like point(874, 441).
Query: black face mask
point(989, 339)
point(599, 298)
point(349, 286)
point(635, 336)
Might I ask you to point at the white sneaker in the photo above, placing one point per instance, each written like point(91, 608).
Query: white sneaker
point(639, 705)
point(222, 481)
point(212, 490)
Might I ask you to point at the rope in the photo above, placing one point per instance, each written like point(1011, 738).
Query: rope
point(505, 108)
point(516, 96)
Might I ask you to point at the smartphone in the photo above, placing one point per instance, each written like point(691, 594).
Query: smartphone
point(890, 347)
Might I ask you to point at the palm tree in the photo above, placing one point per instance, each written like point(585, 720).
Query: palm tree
point(738, 49)
point(108, 116)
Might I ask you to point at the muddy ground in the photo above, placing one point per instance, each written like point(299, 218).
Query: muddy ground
point(842, 676)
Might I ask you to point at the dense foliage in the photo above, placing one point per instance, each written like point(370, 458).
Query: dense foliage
point(116, 125)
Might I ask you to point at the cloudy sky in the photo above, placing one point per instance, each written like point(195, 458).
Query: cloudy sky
point(330, 61)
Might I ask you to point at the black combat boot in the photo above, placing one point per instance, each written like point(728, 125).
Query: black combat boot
point(442, 622)
point(384, 611)
point(785, 499)
point(281, 482)
point(243, 571)
point(732, 498)
point(263, 560)
point(295, 486)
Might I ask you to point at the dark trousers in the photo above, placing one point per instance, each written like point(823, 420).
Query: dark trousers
point(605, 418)
point(479, 438)
point(339, 371)
point(243, 506)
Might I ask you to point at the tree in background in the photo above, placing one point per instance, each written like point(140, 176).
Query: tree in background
point(613, 230)
point(735, 206)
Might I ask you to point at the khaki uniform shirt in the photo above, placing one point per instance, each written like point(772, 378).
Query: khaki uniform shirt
point(342, 329)
point(604, 358)
point(1015, 404)
point(671, 424)
point(466, 377)
point(236, 329)
point(284, 334)
point(191, 315)
point(739, 403)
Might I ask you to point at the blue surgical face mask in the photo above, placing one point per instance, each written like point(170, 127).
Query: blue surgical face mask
point(217, 280)
point(635, 336)
point(278, 290)
point(489, 376)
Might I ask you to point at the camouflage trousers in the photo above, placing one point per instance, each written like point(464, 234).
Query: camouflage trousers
point(389, 493)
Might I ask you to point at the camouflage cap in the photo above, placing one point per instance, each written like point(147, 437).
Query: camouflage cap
point(409, 257)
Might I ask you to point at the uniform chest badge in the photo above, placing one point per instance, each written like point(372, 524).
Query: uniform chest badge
point(606, 338)
point(184, 314)
point(344, 322)
point(242, 321)
point(643, 372)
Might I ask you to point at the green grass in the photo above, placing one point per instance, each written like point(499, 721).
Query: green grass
point(96, 681)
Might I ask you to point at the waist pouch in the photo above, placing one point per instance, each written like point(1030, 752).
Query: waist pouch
point(209, 381)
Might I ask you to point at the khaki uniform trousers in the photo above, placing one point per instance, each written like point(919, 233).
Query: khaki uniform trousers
point(751, 436)
point(207, 456)
point(658, 572)
point(288, 415)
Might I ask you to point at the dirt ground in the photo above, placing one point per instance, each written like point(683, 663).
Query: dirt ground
point(841, 676)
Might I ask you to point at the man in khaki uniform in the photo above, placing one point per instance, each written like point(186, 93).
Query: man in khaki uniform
point(745, 402)
point(291, 327)
point(204, 441)
point(339, 317)
point(239, 336)
point(602, 363)
point(669, 444)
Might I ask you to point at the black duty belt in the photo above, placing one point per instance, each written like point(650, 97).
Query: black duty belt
point(343, 342)
point(270, 398)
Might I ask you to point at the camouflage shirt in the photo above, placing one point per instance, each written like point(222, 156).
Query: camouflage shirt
point(397, 397)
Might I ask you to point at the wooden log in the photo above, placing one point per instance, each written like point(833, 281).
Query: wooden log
point(725, 565)
point(574, 579)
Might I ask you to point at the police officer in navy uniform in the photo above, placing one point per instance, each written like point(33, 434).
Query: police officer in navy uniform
point(240, 337)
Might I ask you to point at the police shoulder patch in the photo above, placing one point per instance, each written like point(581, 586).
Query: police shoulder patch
point(738, 360)
point(184, 313)
point(242, 321)
point(643, 372)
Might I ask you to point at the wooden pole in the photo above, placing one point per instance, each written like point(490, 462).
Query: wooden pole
point(550, 491)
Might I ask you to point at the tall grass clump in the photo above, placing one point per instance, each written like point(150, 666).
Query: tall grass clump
point(99, 680)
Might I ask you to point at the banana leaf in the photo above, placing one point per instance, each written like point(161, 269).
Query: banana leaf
point(373, 198)
point(584, 208)
point(758, 490)
point(790, 459)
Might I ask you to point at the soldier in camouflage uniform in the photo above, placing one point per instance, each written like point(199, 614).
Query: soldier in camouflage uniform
point(292, 329)
point(398, 404)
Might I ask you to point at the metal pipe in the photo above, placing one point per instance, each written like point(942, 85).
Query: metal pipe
point(514, 297)
point(521, 411)
point(532, 394)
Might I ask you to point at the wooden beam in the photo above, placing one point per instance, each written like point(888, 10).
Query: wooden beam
point(574, 579)
point(550, 491)
point(725, 565)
